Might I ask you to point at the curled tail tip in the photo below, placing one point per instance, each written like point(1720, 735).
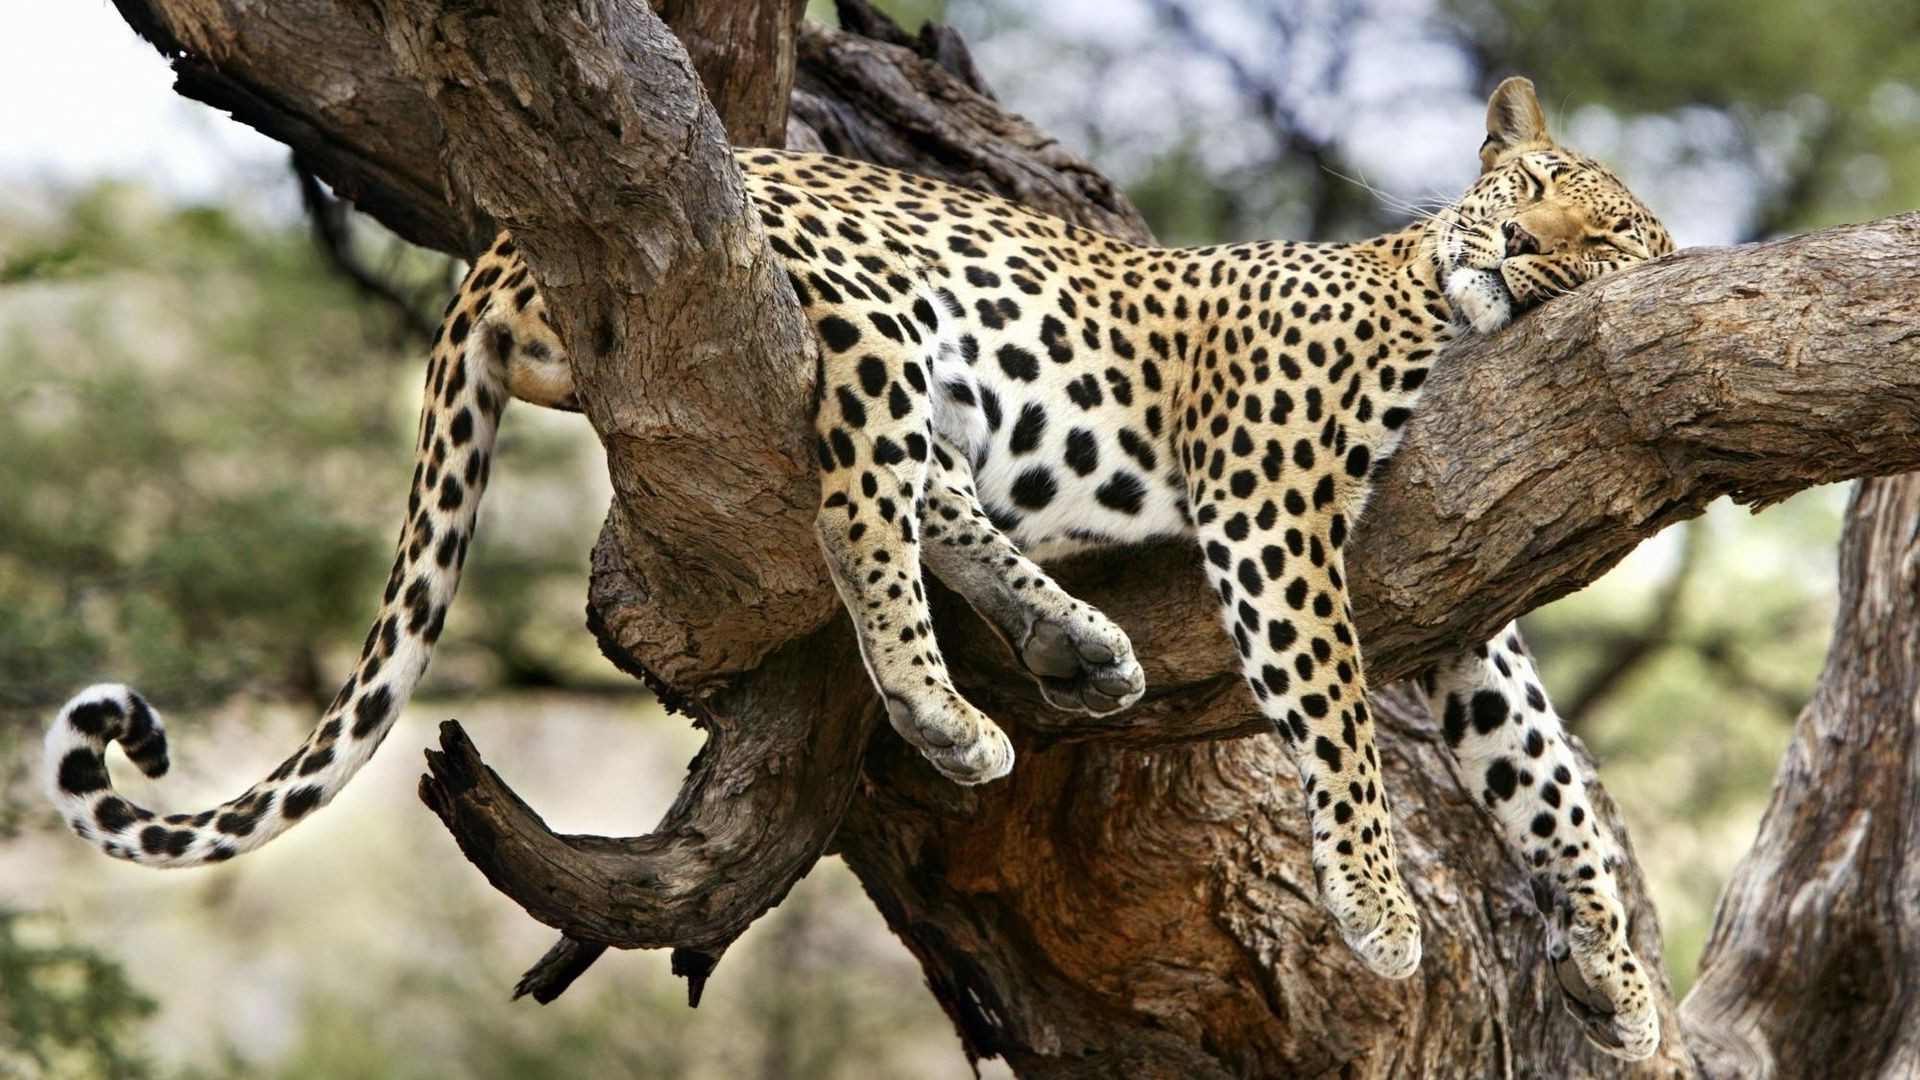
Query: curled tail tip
point(105, 712)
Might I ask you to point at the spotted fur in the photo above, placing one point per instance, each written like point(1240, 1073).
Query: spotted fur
point(998, 386)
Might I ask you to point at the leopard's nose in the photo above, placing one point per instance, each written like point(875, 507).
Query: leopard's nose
point(1519, 240)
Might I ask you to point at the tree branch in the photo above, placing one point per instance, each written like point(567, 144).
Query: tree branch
point(316, 75)
point(1813, 967)
point(328, 218)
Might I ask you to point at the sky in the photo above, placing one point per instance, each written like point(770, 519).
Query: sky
point(97, 103)
point(93, 101)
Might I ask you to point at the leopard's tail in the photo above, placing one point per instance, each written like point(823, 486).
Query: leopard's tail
point(464, 396)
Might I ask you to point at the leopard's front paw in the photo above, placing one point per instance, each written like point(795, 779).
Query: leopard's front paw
point(1083, 663)
point(1378, 922)
point(1606, 986)
point(957, 738)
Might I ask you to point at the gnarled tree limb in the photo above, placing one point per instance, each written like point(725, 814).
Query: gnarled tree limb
point(1813, 967)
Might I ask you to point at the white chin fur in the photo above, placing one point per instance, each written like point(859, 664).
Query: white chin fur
point(1481, 298)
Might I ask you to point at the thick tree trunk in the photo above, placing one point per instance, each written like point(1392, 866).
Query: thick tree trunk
point(1136, 898)
point(1813, 968)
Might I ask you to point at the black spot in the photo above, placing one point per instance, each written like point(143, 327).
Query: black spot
point(449, 548)
point(1123, 491)
point(1501, 779)
point(873, 375)
point(1028, 429)
point(298, 802)
point(1543, 824)
point(1138, 449)
point(1034, 488)
point(1085, 392)
point(1272, 560)
point(81, 772)
point(1489, 711)
point(93, 717)
point(1324, 749)
point(371, 710)
point(113, 814)
point(1250, 578)
point(1297, 593)
point(1281, 634)
point(1454, 721)
point(315, 761)
point(990, 405)
point(1053, 334)
point(1018, 363)
point(839, 334)
point(851, 409)
point(887, 452)
point(1083, 453)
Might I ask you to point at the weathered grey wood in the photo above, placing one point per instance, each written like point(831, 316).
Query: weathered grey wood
point(744, 55)
point(316, 75)
point(1813, 967)
point(657, 278)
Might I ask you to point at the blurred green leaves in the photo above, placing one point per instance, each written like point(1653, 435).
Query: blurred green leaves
point(195, 454)
point(65, 1011)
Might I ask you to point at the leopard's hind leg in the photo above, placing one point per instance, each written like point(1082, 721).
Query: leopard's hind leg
point(1508, 750)
point(875, 429)
point(1081, 659)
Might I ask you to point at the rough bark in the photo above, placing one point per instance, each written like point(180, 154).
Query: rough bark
point(744, 54)
point(1115, 907)
point(317, 76)
point(658, 280)
point(1813, 968)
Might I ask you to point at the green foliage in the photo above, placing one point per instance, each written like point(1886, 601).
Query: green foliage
point(195, 400)
point(65, 1011)
point(1818, 97)
point(213, 434)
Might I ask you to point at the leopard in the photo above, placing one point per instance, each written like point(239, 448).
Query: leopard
point(996, 388)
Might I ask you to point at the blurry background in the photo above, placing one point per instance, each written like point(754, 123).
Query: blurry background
point(208, 373)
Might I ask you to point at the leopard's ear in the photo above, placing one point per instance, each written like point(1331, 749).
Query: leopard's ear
point(1514, 122)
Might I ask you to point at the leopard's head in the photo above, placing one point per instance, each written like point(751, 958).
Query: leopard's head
point(1540, 220)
